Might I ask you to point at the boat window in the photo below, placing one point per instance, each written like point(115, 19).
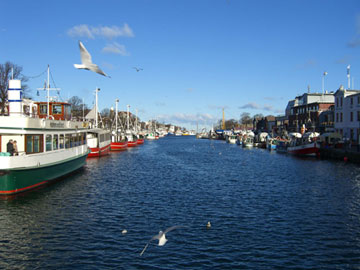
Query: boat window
point(67, 141)
point(55, 142)
point(33, 144)
point(48, 142)
point(102, 137)
point(56, 109)
point(61, 141)
point(79, 139)
point(43, 109)
point(84, 138)
point(74, 140)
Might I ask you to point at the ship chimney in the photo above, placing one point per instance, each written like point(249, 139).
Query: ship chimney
point(15, 98)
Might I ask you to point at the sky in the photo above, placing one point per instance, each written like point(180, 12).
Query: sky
point(197, 56)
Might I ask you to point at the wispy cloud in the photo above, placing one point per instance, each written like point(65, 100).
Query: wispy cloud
point(250, 105)
point(265, 107)
point(308, 64)
point(160, 104)
point(355, 42)
point(192, 119)
point(217, 107)
point(345, 60)
point(108, 32)
point(115, 48)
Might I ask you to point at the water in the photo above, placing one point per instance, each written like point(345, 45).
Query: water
point(267, 210)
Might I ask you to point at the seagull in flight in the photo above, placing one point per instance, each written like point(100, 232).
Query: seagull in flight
point(86, 62)
point(161, 237)
point(137, 69)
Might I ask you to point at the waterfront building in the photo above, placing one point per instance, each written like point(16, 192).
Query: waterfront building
point(306, 109)
point(347, 113)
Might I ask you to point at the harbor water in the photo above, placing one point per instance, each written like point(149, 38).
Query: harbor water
point(267, 211)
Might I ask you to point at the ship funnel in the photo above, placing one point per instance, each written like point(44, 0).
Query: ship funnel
point(15, 98)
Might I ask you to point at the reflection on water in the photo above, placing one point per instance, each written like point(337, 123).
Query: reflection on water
point(267, 211)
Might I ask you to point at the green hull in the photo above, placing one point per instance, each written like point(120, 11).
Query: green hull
point(15, 181)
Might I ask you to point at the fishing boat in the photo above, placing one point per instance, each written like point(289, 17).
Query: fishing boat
point(305, 145)
point(140, 139)
point(118, 139)
point(231, 139)
point(151, 136)
point(248, 139)
point(98, 139)
point(49, 144)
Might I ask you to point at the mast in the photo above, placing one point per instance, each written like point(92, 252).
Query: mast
point(223, 119)
point(136, 121)
point(48, 91)
point(96, 106)
point(127, 117)
point(116, 114)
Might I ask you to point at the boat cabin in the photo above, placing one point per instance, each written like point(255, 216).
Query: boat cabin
point(58, 110)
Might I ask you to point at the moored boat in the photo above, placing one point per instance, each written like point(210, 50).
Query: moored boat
point(47, 149)
point(307, 145)
point(98, 141)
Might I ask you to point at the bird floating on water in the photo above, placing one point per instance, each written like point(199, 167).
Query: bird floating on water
point(86, 62)
point(137, 69)
point(161, 237)
point(208, 225)
point(124, 231)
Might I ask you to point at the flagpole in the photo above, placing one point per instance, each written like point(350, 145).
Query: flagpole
point(348, 75)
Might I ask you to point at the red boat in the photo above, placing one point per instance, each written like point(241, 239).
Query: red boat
point(132, 143)
point(310, 149)
point(98, 140)
point(118, 146)
point(140, 141)
point(307, 145)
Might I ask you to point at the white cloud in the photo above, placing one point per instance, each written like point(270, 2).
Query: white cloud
point(80, 31)
point(115, 48)
point(108, 32)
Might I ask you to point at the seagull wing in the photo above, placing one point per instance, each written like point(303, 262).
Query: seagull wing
point(98, 70)
point(84, 54)
point(172, 228)
point(153, 238)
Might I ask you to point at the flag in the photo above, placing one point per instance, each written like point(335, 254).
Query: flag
point(348, 71)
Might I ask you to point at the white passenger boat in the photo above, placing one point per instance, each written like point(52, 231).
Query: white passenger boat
point(49, 144)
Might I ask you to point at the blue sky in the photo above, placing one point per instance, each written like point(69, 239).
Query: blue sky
point(198, 56)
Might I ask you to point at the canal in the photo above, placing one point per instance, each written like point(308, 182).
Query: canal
point(267, 211)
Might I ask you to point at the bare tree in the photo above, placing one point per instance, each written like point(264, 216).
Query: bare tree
point(245, 119)
point(7, 72)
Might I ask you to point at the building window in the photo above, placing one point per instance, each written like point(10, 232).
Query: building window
point(351, 101)
point(341, 101)
point(358, 98)
point(341, 117)
point(337, 117)
point(358, 115)
point(351, 116)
